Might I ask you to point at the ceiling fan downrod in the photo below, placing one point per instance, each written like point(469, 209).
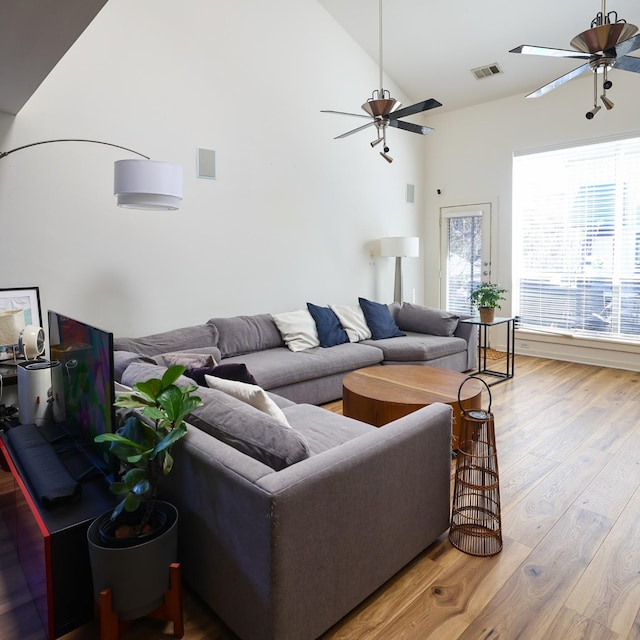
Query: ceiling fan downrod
point(603, 17)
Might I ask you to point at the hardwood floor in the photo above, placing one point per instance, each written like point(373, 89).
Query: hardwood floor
point(568, 438)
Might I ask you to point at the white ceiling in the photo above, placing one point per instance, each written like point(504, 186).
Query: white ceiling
point(430, 48)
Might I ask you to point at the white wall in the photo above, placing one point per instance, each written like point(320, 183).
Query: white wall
point(469, 157)
point(293, 214)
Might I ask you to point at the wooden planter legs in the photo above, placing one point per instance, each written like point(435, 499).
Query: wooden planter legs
point(170, 610)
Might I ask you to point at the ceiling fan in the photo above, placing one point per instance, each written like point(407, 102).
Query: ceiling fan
point(604, 46)
point(384, 111)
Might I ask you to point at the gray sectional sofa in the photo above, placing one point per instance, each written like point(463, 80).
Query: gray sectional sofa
point(431, 337)
point(286, 527)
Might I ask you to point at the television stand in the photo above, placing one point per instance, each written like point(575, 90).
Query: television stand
point(51, 544)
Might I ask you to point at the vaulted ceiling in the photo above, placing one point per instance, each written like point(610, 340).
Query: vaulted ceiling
point(429, 48)
point(34, 35)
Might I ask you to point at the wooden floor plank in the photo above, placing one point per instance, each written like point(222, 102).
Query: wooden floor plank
point(611, 490)
point(532, 518)
point(534, 595)
point(569, 625)
point(609, 590)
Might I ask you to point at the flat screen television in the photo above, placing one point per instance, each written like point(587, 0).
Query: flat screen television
point(83, 386)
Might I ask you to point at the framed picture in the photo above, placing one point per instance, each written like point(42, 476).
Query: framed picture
point(26, 298)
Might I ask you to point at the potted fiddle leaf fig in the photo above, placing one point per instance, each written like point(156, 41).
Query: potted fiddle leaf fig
point(486, 298)
point(125, 544)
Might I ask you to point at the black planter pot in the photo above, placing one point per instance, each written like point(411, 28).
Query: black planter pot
point(138, 575)
point(159, 522)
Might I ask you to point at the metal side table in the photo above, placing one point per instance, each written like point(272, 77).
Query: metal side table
point(483, 343)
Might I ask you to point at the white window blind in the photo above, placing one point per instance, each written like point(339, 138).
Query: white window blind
point(576, 254)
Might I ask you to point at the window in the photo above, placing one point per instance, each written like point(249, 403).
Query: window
point(576, 253)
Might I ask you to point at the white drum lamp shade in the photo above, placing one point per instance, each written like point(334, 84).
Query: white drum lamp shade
point(398, 248)
point(151, 185)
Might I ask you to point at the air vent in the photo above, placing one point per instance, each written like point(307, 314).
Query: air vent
point(487, 72)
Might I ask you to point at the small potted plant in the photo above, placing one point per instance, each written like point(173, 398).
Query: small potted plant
point(125, 542)
point(486, 298)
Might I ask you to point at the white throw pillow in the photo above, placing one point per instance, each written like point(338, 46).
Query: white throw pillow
point(298, 329)
point(353, 321)
point(251, 394)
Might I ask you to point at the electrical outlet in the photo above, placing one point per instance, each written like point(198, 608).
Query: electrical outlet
point(523, 344)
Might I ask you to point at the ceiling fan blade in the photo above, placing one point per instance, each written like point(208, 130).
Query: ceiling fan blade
point(548, 51)
point(344, 113)
point(554, 84)
point(348, 133)
point(418, 107)
point(628, 46)
point(409, 126)
point(628, 63)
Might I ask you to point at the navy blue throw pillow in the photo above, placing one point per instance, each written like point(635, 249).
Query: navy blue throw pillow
point(380, 320)
point(231, 371)
point(330, 331)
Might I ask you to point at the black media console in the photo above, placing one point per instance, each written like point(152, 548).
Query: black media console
point(58, 491)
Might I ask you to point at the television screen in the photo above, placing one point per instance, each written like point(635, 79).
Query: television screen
point(82, 387)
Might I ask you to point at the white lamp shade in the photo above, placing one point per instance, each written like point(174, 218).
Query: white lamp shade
point(147, 184)
point(11, 324)
point(400, 247)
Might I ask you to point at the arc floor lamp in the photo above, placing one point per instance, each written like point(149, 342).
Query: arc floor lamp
point(150, 185)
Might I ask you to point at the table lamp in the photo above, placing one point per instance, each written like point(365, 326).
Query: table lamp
point(11, 325)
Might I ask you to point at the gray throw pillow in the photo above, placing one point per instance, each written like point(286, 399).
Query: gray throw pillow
point(122, 359)
point(248, 430)
point(421, 319)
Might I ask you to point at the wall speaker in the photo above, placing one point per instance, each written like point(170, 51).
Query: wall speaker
point(206, 163)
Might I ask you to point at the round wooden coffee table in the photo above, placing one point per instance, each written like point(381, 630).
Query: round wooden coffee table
point(381, 394)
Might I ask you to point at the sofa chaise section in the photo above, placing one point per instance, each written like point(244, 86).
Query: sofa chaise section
point(283, 555)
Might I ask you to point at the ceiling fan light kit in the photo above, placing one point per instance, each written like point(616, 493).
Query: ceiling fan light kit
point(603, 46)
point(384, 111)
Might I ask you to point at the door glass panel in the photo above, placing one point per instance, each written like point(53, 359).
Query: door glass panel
point(465, 255)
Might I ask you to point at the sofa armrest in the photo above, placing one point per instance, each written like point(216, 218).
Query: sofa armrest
point(470, 333)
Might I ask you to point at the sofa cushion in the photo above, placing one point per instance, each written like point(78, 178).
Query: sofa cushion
point(245, 334)
point(418, 347)
point(187, 359)
point(298, 329)
point(202, 335)
point(140, 371)
point(279, 367)
point(122, 359)
point(330, 331)
point(353, 321)
point(230, 371)
point(379, 319)
point(322, 429)
point(248, 430)
point(252, 394)
point(415, 317)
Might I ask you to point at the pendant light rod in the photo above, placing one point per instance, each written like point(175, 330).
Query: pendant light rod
point(380, 46)
point(108, 144)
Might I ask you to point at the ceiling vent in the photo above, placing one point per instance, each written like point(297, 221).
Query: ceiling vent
point(487, 72)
